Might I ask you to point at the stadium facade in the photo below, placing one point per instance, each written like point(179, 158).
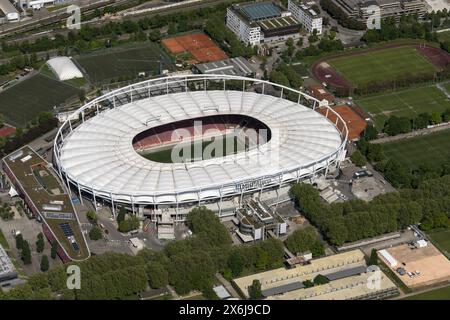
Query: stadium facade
point(96, 153)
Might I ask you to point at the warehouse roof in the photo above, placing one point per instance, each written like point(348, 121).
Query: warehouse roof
point(235, 67)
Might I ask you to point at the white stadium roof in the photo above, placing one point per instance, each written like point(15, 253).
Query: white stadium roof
point(98, 155)
point(64, 68)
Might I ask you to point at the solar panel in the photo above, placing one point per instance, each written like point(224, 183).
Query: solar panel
point(66, 229)
point(75, 246)
point(261, 11)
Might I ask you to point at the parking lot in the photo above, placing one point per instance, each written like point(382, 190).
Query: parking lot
point(426, 266)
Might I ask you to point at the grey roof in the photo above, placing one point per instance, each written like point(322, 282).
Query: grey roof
point(346, 273)
point(7, 270)
point(7, 7)
point(261, 10)
point(234, 67)
point(283, 289)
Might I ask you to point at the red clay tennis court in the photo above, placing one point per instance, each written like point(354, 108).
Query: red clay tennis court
point(199, 45)
point(355, 123)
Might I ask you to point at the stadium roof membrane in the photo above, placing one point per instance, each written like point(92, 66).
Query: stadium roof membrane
point(98, 155)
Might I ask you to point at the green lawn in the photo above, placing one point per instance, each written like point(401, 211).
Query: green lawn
point(380, 65)
point(438, 294)
point(432, 148)
point(443, 36)
point(441, 238)
point(165, 156)
point(407, 103)
point(123, 62)
point(27, 99)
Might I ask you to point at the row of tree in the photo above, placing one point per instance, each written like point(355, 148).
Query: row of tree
point(187, 265)
point(409, 27)
point(34, 129)
point(395, 125)
point(354, 220)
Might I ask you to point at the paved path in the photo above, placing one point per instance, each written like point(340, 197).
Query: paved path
point(413, 134)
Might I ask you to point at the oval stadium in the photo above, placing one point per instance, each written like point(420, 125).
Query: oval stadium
point(182, 141)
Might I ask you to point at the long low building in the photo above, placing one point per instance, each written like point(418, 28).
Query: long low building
point(48, 200)
point(9, 11)
point(233, 67)
point(348, 275)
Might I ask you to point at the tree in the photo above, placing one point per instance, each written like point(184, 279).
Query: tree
point(157, 275)
point(40, 244)
point(308, 283)
point(95, 234)
point(26, 252)
point(130, 223)
point(305, 240)
point(121, 215)
point(92, 216)
point(358, 159)
point(2, 121)
point(19, 241)
point(254, 290)
point(370, 132)
point(373, 260)
point(54, 249)
point(44, 263)
point(320, 279)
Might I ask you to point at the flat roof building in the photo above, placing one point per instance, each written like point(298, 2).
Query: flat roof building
point(233, 67)
point(11, 14)
point(262, 22)
point(310, 19)
point(347, 272)
point(358, 9)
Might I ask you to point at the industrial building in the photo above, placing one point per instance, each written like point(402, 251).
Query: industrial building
point(358, 9)
point(46, 199)
point(8, 13)
point(347, 273)
point(262, 22)
point(304, 13)
point(233, 67)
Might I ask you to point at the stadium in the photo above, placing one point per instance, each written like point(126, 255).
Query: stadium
point(118, 149)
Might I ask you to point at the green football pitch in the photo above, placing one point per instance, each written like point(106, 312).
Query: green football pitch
point(441, 238)
point(431, 149)
point(438, 294)
point(123, 62)
point(380, 65)
point(25, 100)
point(406, 103)
point(222, 146)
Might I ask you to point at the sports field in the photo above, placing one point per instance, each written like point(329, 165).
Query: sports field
point(381, 65)
point(438, 294)
point(123, 62)
point(186, 155)
point(27, 99)
point(431, 149)
point(407, 103)
point(441, 238)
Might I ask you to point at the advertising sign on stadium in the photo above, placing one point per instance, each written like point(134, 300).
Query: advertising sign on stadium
point(253, 184)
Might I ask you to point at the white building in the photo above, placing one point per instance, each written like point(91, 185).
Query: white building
point(306, 15)
point(247, 32)
point(262, 22)
point(64, 68)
